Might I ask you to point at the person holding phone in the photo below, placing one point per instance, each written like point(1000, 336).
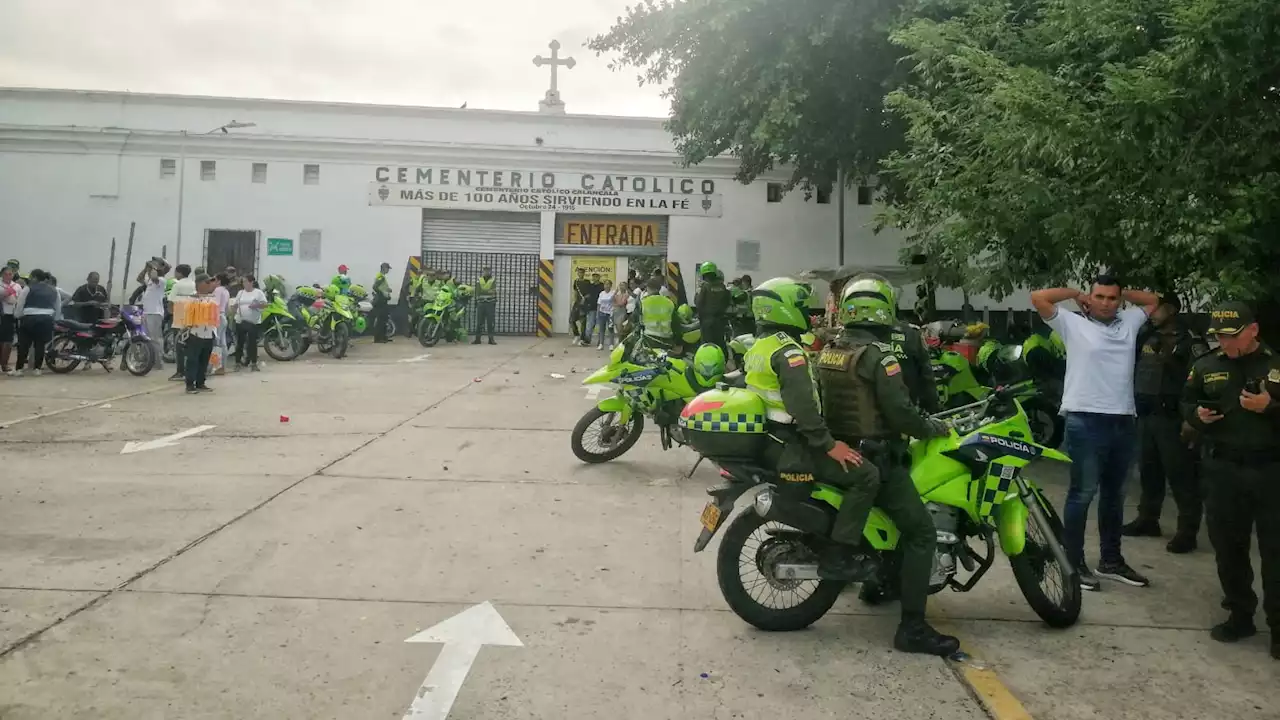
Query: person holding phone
point(1230, 399)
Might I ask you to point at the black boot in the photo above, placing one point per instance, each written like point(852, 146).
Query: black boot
point(1142, 527)
point(844, 563)
point(1236, 628)
point(916, 636)
point(1275, 646)
point(1182, 542)
point(476, 341)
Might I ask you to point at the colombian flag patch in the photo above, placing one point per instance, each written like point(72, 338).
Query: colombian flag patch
point(891, 366)
point(796, 361)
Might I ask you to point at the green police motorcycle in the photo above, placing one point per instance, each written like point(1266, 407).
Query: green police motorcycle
point(649, 384)
point(285, 334)
point(974, 483)
point(444, 317)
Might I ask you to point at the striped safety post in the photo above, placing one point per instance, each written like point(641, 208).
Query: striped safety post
point(546, 271)
point(675, 282)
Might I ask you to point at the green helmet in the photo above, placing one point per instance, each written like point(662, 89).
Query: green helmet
point(358, 292)
point(783, 302)
point(307, 291)
point(868, 301)
point(684, 313)
point(707, 268)
point(708, 363)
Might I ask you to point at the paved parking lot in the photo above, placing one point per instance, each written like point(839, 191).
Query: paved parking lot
point(271, 569)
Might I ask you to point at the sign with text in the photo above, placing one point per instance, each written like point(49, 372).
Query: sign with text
point(279, 246)
point(603, 202)
point(613, 233)
point(517, 180)
point(605, 267)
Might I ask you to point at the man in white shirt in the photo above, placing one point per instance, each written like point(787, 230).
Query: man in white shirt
point(183, 286)
point(1098, 404)
point(153, 307)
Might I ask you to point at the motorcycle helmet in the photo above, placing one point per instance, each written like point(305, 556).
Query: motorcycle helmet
point(782, 302)
point(684, 314)
point(708, 269)
point(708, 364)
point(868, 301)
point(358, 292)
point(332, 291)
point(307, 292)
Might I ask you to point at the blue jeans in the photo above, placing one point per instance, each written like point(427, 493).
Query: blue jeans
point(1101, 449)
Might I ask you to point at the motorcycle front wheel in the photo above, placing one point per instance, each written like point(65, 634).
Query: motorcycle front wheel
point(341, 340)
point(429, 332)
point(58, 355)
point(171, 345)
point(768, 602)
point(1052, 591)
point(281, 344)
point(139, 357)
point(609, 441)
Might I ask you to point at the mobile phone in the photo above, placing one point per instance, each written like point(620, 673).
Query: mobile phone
point(1254, 386)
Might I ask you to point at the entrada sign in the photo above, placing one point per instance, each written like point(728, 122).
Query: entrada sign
point(543, 200)
point(611, 233)
point(515, 180)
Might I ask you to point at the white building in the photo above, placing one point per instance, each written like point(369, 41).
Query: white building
point(298, 188)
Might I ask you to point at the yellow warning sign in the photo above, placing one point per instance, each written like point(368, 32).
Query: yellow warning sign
point(621, 233)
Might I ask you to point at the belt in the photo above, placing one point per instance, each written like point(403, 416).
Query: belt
point(1156, 404)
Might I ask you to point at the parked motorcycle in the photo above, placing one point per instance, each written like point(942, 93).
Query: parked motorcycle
point(972, 482)
point(649, 383)
point(100, 342)
point(284, 328)
point(444, 318)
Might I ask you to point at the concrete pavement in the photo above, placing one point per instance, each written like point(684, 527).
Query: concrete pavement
point(273, 569)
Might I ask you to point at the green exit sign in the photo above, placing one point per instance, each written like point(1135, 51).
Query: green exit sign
point(279, 246)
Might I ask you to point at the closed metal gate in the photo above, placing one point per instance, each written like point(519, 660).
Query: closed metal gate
point(465, 242)
point(517, 286)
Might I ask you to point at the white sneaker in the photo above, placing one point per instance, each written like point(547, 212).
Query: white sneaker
point(35, 373)
point(15, 373)
point(600, 346)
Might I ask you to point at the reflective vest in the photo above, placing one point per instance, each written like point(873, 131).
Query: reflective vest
point(381, 288)
point(415, 286)
point(656, 313)
point(486, 291)
point(763, 381)
point(429, 290)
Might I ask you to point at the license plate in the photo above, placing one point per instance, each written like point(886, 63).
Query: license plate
point(711, 516)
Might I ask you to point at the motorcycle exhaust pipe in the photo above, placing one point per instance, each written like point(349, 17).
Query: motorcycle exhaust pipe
point(805, 515)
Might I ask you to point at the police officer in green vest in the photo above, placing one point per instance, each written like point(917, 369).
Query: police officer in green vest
point(908, 346)
point(486, 305)
point(657, 317)
point(381, 304)
point(868, 401)
point(778, 370)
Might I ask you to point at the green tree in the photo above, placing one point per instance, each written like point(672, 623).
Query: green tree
point(1046, 137)
point(799, 83)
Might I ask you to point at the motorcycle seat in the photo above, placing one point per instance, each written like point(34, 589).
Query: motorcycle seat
point(68, 324)
point(735, 379)
point(107, 324)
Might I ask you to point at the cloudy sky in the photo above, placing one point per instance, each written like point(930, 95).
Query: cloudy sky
point(408, 52)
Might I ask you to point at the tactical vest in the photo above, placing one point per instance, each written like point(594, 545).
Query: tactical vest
point(850, 399)
point(1159, 371)
point(656, 312)
point(763, 381)
point(486, 290)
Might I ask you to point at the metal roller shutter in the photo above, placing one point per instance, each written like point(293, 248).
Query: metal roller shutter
point(659, 247)
point(481, 232)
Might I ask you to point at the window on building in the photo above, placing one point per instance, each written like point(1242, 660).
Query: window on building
point(168, 167)
point(748, 256)
point(310, 174)
point(208, 169)
point(824, 196)
point(259, 172)
point(309, 245)
point(865, 196)
point(774, 192)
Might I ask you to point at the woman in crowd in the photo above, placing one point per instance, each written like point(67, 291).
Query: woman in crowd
point(604, 314)
point(9, 291)
point(223, 296)
point(621, 298)
point(249, 303)
point(37, 306)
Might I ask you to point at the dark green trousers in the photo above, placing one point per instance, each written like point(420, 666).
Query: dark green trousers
point(860, 482)
point(1243, 496)
point(899, 500)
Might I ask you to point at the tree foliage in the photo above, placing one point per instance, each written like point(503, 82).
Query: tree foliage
point(1046, 137)
point(799, 83)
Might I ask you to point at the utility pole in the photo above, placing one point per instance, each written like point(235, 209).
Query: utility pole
point(840, 204)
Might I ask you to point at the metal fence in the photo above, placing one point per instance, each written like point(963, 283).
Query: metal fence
point(517, 285)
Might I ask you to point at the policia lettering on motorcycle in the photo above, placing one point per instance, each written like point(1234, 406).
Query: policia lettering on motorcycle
point(381, 304)
point(869, 405)
point(1231, 398)
point(486, 305)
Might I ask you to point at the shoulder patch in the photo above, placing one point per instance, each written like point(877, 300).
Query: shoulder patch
point(793, 351)
point(797, 361)
point(1274, 375)
point(782, 336)
point(883, 347)
point(890, 365)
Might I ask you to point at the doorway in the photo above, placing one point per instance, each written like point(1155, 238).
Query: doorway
point(238, 248)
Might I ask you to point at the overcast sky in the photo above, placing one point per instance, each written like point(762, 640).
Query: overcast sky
point(407, 52)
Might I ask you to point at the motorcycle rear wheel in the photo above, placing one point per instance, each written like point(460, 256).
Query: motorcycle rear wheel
point(729, 567)
point(171, 345)
point(622, 444)
point(1035, 560)
point(56, 355)
point(429, 332)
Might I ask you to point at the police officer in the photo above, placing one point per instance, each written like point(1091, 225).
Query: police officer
point(1166, 349)
point(486, 305)
point(381, 304)
point(867, 400)
point(1230, 398)
point(778, 370)
point(657, 315)
point(712, 302)
point(908, 346)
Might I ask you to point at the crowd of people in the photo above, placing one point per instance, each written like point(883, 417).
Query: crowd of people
point(30, 304)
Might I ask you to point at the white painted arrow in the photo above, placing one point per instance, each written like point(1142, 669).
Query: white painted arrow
point(462, 636)
point(166, 441)
point(415, 359)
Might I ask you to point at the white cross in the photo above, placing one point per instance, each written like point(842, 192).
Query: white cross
point(555, 61)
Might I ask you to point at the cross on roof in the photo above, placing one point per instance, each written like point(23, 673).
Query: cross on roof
point(551, 102)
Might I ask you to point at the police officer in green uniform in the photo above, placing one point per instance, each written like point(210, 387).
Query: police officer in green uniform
point(740, 319)
point(657, 316)
point(486, 305)
point(1231, 399)
point(1166, 349)
point(712, 303)
point(908, 346)
point(867, 400)
point(381, 304)
point(778, 370)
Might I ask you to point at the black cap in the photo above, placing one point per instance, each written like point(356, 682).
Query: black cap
point(1230, 318)
point(203, 278)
